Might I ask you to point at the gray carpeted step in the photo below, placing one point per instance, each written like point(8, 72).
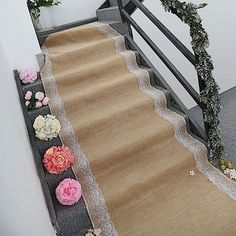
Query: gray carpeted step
point(109, 14)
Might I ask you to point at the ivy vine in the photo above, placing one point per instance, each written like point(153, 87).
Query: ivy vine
point(209, 95)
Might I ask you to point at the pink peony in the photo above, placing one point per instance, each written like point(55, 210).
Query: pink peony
point(39, 96)
point(28, 95)
point(28, 76)
point(68, 192)
point(27, 103)
point(38, 105)
point(58, 159)
point(45, 101)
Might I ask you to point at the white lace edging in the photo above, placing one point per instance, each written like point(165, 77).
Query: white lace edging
point(199, 150)
point(91, 192)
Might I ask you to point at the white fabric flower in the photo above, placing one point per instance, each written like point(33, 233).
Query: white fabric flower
point(47, 127)
point(97, 232)
point(39, 122)
point(39, 96)
point(232, 174)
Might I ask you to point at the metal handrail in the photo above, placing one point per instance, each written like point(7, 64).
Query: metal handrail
point(124, 11)
point(164, 59)
point(182, 48)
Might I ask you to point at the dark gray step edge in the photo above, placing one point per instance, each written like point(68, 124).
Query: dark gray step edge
point(66, 220)
point(174, 103)
point(109, 14)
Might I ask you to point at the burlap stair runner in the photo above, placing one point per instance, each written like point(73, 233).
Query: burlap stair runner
point(140, 167)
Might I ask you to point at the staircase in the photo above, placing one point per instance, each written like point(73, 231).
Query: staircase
point(75, 220)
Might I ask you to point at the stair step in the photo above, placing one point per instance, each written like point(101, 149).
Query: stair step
point(34, 87)
point(114, 2)
point(109, 14)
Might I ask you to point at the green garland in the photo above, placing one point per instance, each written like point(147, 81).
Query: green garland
point(187, 12)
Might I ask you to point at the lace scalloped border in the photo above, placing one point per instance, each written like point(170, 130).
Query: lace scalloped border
point(92, 194)
point(199, 150)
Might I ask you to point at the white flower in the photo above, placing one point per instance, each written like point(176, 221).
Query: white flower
point(41, 136)
point(191, 173)
point(47, 127)
point(89, 234)
point(232, 174)
point(227, 171)
point(39, 122)
point(39, 96)
point(97, 232)
point(56, 126)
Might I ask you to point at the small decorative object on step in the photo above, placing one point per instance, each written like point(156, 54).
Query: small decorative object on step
point(35, 101)
point(58, 159)
point(94, 232)
point(191, 173)
point(68, 192)
point(46, 127)
point(231, 173)
point(28, 76)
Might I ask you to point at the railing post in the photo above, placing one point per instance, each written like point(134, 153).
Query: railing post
point(121, 9)
point(120, 4)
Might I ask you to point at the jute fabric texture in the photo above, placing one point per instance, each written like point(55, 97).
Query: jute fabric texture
point(141, 170)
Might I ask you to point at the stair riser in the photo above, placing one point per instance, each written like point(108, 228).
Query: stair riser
point(109, 14)
point(120, 27)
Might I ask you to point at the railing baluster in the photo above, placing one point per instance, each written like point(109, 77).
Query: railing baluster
point(164, 59)
point(182, 48)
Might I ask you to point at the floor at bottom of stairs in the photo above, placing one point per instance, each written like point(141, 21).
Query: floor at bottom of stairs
point(228, 121)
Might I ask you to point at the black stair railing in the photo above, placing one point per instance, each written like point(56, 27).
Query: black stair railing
point(180, 46)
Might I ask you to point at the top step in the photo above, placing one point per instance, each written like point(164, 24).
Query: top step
point(114, 2)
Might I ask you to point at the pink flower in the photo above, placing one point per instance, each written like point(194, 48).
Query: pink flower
point(28, 95)
point(191, 173)
point(27, 103)
point(58, 159)
point(68, 192)
point(39, 96)
point(38, 105)
point(45, 101)
point(28, 76)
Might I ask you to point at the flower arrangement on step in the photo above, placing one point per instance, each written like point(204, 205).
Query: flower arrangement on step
point(46, 127)
point(228, 168)
point(36, 100)
point(34, 6)
point(68, 192)
point(58, 159)
point(28, 76)
point(94, 232)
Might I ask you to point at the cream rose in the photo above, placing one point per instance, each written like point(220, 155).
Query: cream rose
point(39, 122)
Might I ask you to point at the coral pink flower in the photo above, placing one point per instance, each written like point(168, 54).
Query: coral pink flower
point(38, 104)
point(68, 192)
point(28, 76)
point(28, 95)
point(58, 159)
point(39, 96)
point(45, 101)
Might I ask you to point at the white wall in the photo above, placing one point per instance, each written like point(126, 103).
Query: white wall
point(23, 210)
point(218, 19)
point(17, 34)
point(73, 10)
